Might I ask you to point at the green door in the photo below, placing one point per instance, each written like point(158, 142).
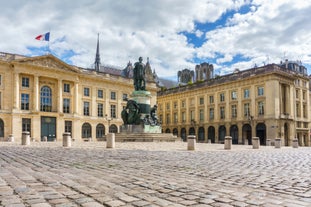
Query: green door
point(48, 128)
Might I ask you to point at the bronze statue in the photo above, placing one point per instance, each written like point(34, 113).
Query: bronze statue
point(131, 113)
point(139, 75)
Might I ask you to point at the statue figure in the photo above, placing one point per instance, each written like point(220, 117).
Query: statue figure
point(139, 75)
point(131, 113)
point(153, 115)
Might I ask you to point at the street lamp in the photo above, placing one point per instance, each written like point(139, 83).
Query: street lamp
point(108, 119)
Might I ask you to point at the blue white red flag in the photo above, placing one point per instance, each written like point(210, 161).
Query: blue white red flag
point(43, 37)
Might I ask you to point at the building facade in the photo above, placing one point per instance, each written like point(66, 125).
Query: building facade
point(48, 97)
point(268, 102)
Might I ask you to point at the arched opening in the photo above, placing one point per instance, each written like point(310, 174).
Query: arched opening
point(167, 130)
point(211, 134)
point(286, 134)
point(86, 130)
point(183, 134)
point(201, 132)
point(234, 133)
point(175, 132)
point(113, 129)
point(261, 133)
point(247, 134)
point(1, 128)
point(100, 131)
point(221, 134)
point(46, 99)
point(192, 131)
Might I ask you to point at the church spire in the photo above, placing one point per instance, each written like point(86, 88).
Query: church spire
point(97, 58)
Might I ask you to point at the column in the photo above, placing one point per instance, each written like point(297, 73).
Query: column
point(36, 94)
point(16, 91)
point(76, 99)
point(60, 96)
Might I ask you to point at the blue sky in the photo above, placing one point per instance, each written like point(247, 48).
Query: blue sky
point(175, 34)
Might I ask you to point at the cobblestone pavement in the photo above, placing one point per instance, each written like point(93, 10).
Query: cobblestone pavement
point(153, 174)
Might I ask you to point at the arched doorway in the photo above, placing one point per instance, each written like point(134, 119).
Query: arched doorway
point(175, 132)
point(286, 134)
point(167, 131)
point(201, 132)
point(261, 133)
point(192, 131)
point(1, 128)
point(86, 130)
point(221, 134)
point(247, 134)
point(211, 134)
point(113, 129)
point(100, 131)
point(234, 133)
point(183, 134)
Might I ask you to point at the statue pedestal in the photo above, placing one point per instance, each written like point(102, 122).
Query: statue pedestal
point(143, 99)
point(140, 129)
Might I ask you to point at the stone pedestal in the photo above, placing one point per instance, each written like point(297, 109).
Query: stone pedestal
point(25, 138)
point(11, 138)
point(66, 139)
point(228, 142)
point(143, 99)
point(255, 142)
point(268, 142)
point(277, 142)
point(191, 139)
point(295, 143)
point(110, 140)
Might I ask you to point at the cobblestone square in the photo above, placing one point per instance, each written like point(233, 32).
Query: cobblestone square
point(153, 174)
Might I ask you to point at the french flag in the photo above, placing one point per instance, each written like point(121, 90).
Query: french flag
point(43, 37)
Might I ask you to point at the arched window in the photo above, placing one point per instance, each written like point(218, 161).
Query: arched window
point(46, 99)
point(86, 130)
point(113, 129)
point(100, 131)
point(1, 128)
point(167, 131)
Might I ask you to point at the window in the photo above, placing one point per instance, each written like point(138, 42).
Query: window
point(211, 113)
point(233, 111)
point(246, 110)
point(113, 111)
point(303, 95)
point(298, 109)
point(26, 125)
point(297, 94)
point(183, 104)
point(25, 101)
point(222, 112)
point(168, 106)
point(86, 92)
point(86, 130)
point(201, 115)
point(175, 118)
point(246, 93)
point(211, 99)
point(68, 126)
point(260, 108)
point(260, 91)
point(124, 96)
point(222, 97)
point(233, 95)
point(66, 105)
point(66, 87)
point(304, 111)
point(86, 108)
point(0, 80)
point(25, 82)
point(100, 93)
point(201, 101)
point(113, 95)
point(183, 116)
point(192, 116)
point(46, 99)
point(100, 131)
point(100, 111)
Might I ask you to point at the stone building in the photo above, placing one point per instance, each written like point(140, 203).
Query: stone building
point(47, 97)
point(268, 102)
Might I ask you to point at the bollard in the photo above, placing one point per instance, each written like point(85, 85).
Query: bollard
point(255, 142)
point(246, 142)
point(11, 138)
point(66, 139)
point(228, 142)
point(268, 142)
point(295, 143)
point(277, 143)
point(209, 141)
point(111, 140)
point(44, 139)
point(191, 142)
point(25, 138)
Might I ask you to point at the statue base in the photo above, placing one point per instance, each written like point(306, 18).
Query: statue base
point(140, 129)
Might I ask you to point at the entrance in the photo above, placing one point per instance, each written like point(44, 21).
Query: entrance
point(48, 128)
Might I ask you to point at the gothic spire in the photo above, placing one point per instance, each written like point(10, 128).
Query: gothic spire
point(97, 57)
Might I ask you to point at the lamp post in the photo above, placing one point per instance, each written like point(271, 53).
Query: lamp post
point(108, 119)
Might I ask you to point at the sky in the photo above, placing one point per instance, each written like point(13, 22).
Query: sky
point(173, 34)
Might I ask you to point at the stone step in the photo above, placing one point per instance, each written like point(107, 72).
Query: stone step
point(145, 137)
